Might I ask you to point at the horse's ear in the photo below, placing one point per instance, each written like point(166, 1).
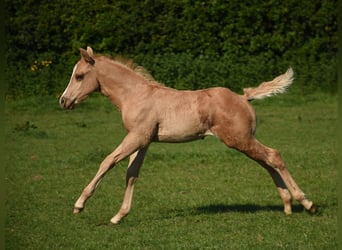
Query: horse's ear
point(88, 55)
point(90, 51)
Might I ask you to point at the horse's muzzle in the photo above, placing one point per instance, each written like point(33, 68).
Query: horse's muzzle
point(67, 103)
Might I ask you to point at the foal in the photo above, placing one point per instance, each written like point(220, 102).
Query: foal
point(154, 113)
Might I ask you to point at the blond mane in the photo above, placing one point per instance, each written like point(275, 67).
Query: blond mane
point(129, 63)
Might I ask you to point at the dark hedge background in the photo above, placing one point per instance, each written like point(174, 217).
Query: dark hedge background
point(185, 44)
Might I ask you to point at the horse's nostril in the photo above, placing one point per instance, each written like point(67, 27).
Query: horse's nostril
point(62, 101)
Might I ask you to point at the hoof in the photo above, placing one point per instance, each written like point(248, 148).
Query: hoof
point(287, 213)
point(115, 221)
point(288, 210)
point(77, 210)
point(313, 209)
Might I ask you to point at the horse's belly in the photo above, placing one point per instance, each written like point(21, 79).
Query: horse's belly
point(182, 133)
point(183, 120)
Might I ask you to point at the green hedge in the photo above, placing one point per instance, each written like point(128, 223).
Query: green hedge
point(185, 44)
point(185, 71)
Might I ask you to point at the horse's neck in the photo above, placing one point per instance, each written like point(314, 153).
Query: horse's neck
point(118, 82)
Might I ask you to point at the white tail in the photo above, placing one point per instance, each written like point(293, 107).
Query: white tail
point(277, 86)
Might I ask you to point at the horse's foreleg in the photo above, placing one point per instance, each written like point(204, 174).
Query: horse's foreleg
point(132, 175)
point(129, 145)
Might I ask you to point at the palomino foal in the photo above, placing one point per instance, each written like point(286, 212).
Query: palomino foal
point(154, 113)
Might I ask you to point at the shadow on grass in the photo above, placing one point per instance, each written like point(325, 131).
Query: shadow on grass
point(233, 208)
point(243, 208)
point(222, 208)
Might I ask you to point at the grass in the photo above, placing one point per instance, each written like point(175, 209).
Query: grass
point(197, 195)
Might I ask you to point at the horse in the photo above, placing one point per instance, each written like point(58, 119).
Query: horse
point(152, 112)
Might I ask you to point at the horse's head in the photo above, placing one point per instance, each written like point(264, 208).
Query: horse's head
point(82, 82)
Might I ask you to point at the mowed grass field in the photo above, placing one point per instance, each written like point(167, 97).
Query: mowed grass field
point(198, 195)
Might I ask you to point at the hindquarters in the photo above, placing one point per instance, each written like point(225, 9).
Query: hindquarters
point(234, 120)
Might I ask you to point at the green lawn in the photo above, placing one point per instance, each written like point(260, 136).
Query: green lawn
point(198, 195)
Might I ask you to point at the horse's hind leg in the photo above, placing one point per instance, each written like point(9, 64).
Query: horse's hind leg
point(272, 161)
point(281, 187)
point(134, 165)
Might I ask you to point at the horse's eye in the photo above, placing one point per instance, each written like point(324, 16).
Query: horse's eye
point(79, 77)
